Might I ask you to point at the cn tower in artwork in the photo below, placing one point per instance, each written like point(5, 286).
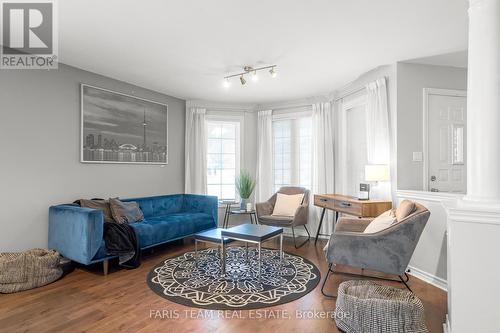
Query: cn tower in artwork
point(144, 125)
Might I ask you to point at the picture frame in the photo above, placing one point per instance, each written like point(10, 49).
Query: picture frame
point(118, 128)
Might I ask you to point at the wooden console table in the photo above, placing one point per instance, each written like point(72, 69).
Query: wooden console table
point(349, 205)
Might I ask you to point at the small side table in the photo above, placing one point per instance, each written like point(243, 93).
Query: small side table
point(228, 204)
point(252, 213)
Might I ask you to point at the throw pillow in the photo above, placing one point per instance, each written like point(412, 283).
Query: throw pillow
point(98, 204)
point(286, 205)
point(406, 207)
point(381, 222)
point(125, 212)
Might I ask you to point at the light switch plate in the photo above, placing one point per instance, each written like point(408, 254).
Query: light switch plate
point(417, 156)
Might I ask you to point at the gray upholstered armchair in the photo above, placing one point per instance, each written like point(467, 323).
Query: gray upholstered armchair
point(387, 251)
point(265, 211)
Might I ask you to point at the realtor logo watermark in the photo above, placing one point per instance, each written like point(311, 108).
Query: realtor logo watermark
point(29, 34)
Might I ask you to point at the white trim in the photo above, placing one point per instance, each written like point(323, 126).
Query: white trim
point(82, 85)
point(354, 101)
point(429, 278)
point(462, 211)
point(292, 115)
point(447, 325)
point(425, 130)
point(293, 104)
point(428, 196)
point(223, 107)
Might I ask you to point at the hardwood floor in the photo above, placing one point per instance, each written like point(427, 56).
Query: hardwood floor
point(86, 301)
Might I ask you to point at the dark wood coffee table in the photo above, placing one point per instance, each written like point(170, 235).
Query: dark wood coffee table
point(250, 233)
point(209, 236)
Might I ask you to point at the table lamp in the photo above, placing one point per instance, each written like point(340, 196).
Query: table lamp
point(373, 173)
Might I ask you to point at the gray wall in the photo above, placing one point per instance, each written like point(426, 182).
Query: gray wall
point(430, 254)
point(412, 78)
point(39, 145)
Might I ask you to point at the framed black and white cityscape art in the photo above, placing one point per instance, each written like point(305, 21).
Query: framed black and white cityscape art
point(119, 128)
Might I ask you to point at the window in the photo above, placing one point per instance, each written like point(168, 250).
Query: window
point(292, 152)
point(356, 152)
point(223, 158)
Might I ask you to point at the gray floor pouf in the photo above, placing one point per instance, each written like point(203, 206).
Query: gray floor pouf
point(28, 270)
point(366, 307)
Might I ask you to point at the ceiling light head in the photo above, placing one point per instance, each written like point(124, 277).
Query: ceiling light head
point(226, 83)
point(242, 80)
point(273, 72)
point(255, 77)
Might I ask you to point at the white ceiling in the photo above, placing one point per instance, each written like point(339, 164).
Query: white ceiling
point(185, 47)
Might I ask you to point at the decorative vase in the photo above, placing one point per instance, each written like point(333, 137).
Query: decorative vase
point(243, 204)
point(249, 206)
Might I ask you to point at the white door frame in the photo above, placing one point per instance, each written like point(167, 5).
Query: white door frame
point(427, 92)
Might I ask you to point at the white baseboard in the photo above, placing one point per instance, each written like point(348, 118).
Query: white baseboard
point(446, 325)
point(429, 278)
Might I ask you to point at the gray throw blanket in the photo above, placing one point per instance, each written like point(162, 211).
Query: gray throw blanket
point(122, 241)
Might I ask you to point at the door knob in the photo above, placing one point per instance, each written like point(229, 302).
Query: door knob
point(433, 178)
point(434, 189)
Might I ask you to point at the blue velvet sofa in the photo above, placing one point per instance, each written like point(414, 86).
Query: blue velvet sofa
point(77, 233)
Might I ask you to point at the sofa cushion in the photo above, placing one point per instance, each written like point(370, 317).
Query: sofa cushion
point(381, 222)
point(276, 220)
point(160, 229)
point(159, 205)
point(286, 205)
point(101, 205)
point(406, 207)
point(125, 212)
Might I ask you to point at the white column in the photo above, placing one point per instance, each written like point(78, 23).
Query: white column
point(483, 102)
point(474, 222)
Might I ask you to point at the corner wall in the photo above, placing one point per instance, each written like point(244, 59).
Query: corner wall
point(40, 151)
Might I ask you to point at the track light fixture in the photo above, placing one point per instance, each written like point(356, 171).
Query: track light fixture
point(272, 71)
point(255, 78)
point(249, 70)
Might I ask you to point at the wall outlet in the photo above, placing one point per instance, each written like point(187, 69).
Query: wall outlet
point(418, 156)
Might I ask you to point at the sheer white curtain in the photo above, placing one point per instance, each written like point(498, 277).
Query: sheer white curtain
point(323, 168)
point(196, 151)
point(377, 130)
point(264, 188)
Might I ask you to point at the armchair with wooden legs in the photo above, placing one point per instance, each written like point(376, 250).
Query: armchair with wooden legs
point(300, 218)
point(387, 251)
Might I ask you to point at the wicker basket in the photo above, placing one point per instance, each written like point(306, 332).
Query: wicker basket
point(364, 306)
point(28, 270)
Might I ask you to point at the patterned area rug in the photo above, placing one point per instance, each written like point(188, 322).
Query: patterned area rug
point(181, 281)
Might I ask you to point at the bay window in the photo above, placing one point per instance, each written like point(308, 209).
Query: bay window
point(292, 158)
point(223, 158)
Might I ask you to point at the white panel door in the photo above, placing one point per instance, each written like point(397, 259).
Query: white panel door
point(446, 143)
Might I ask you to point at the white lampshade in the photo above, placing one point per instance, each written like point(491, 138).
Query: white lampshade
point(377, 173)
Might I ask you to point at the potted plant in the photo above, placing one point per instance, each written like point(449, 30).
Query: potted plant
point(245, 185)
